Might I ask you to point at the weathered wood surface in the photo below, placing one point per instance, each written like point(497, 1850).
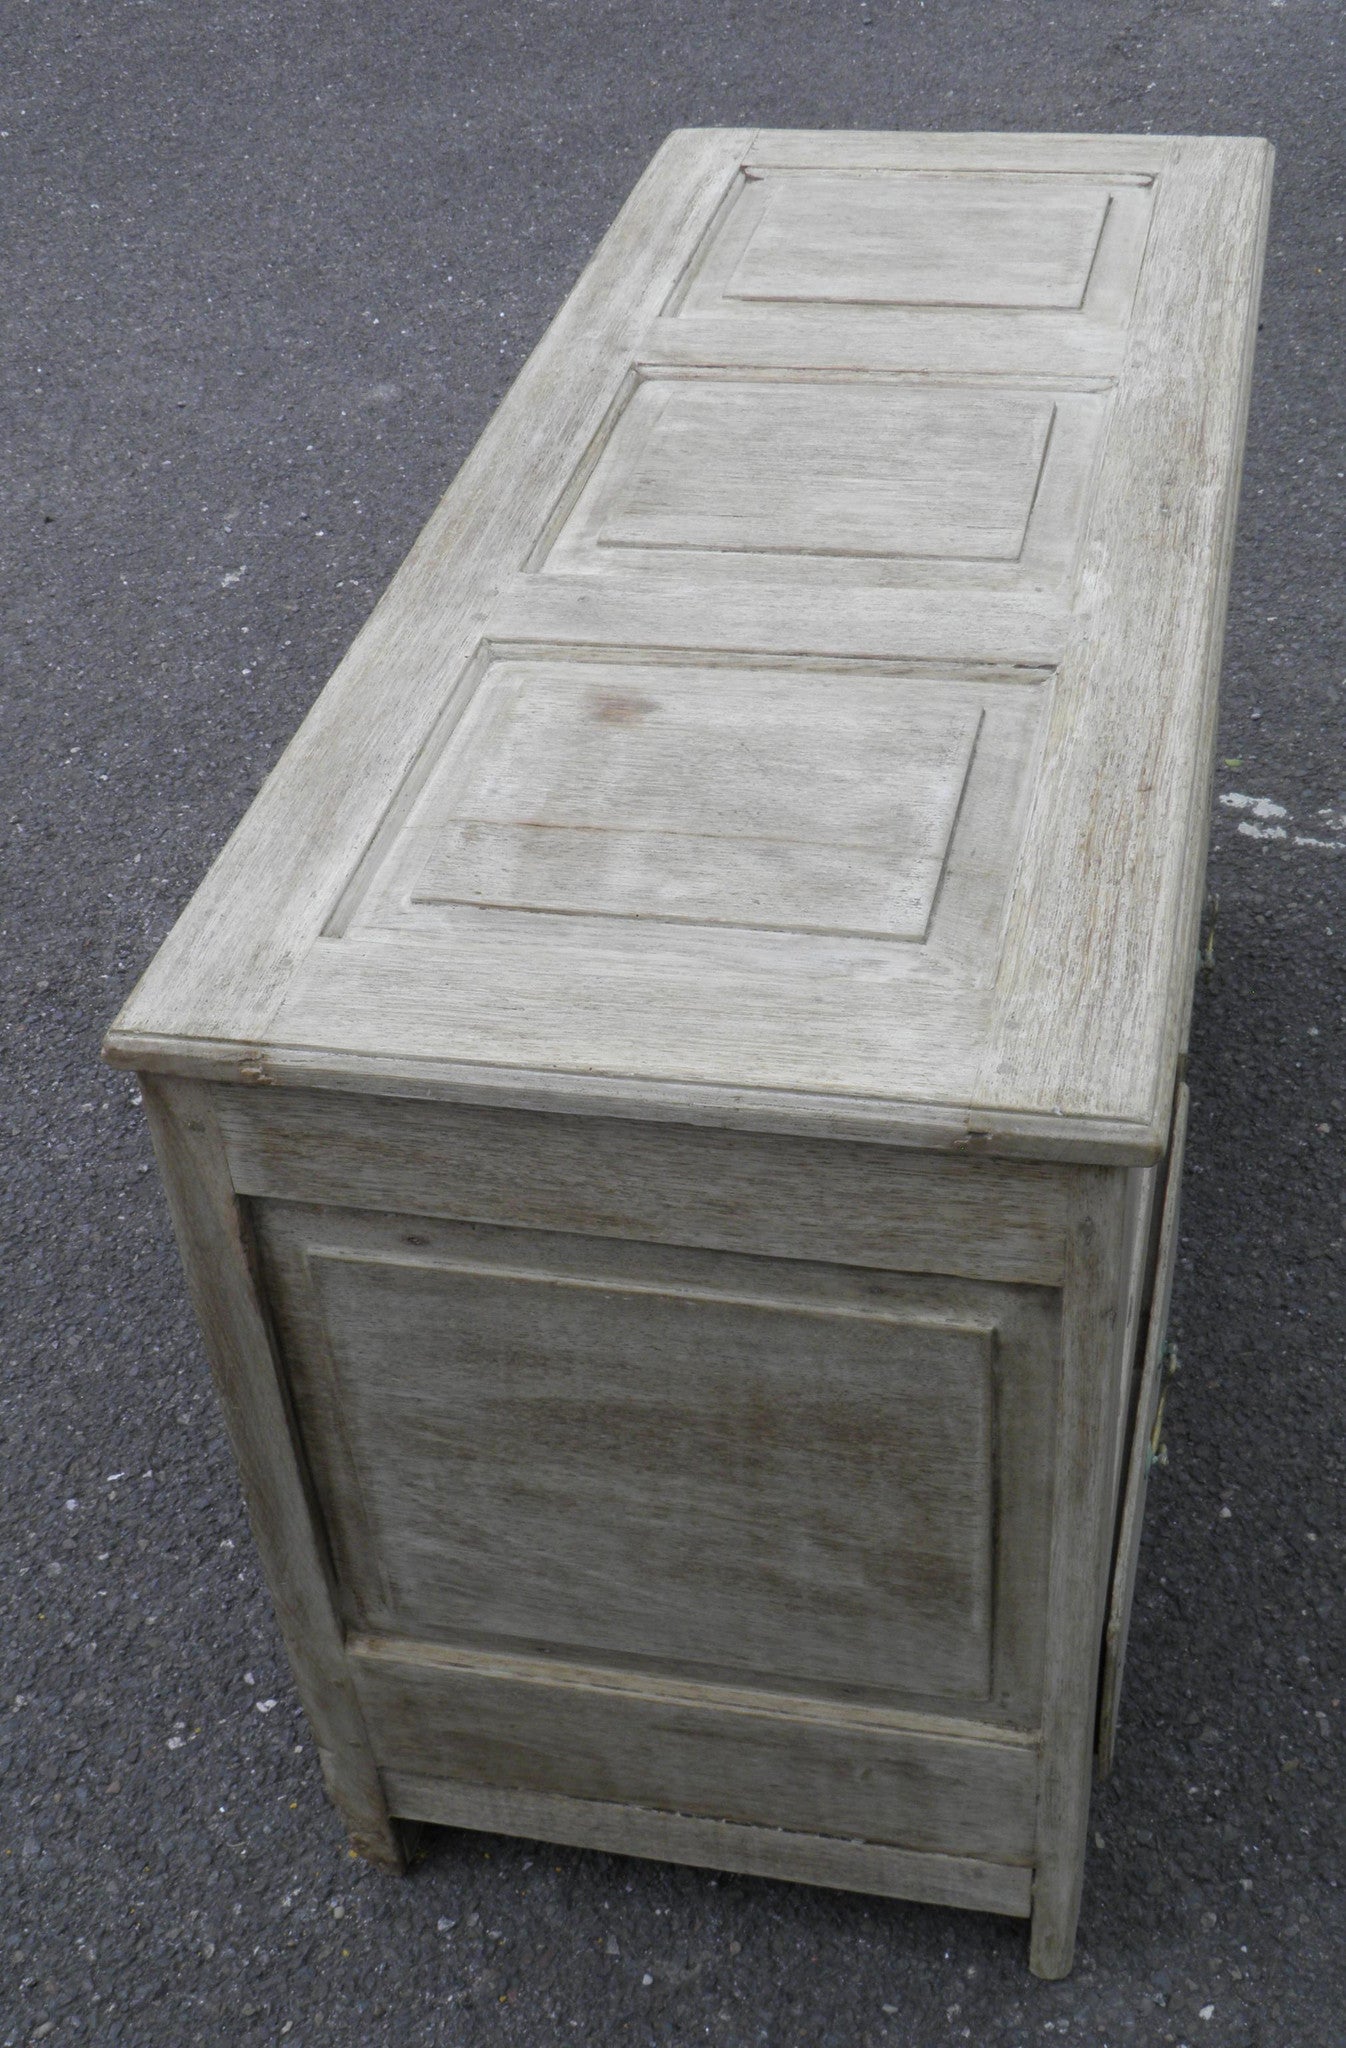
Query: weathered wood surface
point(819, 1477)
point(855, 1205)
point(1142, 1449)
point(809, 681)
point(569, 1734)
point(219, 1257)
point(1103, 917)
point(1094, 1367)
point(1144, 1190)
point(857, 1866)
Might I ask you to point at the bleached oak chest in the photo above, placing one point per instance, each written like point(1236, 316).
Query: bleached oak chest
point(671, 1099)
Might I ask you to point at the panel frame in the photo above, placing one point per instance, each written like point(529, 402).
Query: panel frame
point(219, 1257)
point(1095, 1363)
point(783, 1197)
point(854, 1866)
point(1142, 1445)
point(520, 1725)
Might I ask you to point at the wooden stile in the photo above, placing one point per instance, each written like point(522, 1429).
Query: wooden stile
point(666, 1098)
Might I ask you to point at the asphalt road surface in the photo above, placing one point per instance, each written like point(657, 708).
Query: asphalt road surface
point(267, 270)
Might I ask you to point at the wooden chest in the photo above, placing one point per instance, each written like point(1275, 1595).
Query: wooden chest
point(671, 1098)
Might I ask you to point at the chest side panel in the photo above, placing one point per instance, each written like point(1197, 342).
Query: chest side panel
point(580, 1443)
point(683, 1460)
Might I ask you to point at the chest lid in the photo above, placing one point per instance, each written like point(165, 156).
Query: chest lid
point(799, 711)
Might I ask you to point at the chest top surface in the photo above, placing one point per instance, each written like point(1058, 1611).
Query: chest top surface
point(799, 711)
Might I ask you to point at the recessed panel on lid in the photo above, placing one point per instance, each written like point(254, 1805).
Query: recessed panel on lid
point(846, 469)
point(922, 241)
point(725, 796)
point(817, 479)
point(986, 244)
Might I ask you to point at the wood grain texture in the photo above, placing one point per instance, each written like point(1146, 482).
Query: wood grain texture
point(716, 1844)
point(780, 419)
point(1100, 944)
point(623, 998)
point(945, 1128)
point(887, 616)
point(882, 149)
point(579, 1738)
point(218, 1256)
point(833, 1513)
point(784, 1197)
point(780, 1704)
point(871, 241)
point(904, 250)
point(858, 483)
point(1141, 1451)
point(1094, 1365)
point(665, 794)
point(1143, 1186)
point(812, 1476)
point(848, 469)
point(892, 341)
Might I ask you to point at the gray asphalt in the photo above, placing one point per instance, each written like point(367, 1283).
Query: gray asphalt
point(267, 271)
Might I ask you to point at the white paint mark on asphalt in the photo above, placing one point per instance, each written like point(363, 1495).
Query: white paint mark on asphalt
point(1260, 806)
point(1265, 808)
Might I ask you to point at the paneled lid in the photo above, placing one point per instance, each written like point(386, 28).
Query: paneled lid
point(798, 714)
